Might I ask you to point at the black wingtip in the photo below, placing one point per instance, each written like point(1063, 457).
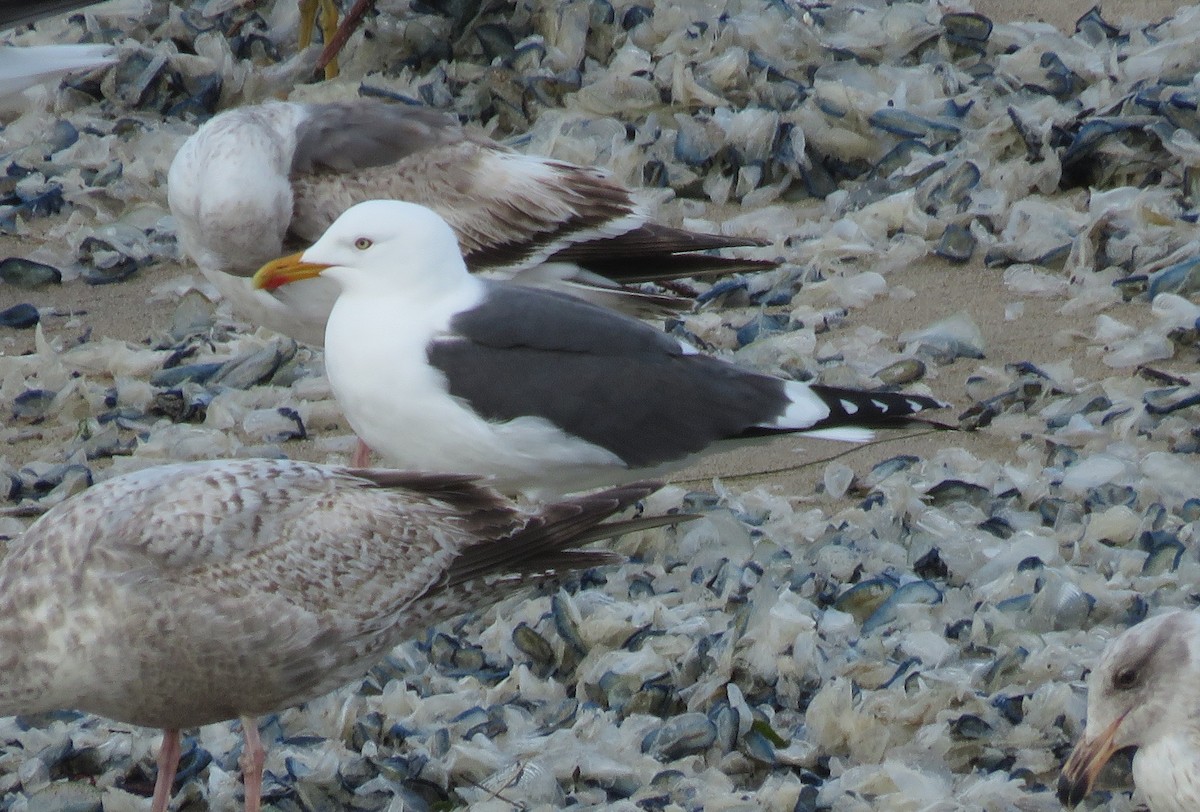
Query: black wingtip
point(862, 408)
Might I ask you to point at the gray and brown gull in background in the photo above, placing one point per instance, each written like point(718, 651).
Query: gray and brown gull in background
point(188, 594)
point(256, 179)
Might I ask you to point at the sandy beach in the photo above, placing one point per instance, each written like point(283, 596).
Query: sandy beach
point(1024, 577)
point(120, 311)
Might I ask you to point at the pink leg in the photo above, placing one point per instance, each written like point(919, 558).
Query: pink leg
point(252, 760)
point(168, 763)
point(362, 456)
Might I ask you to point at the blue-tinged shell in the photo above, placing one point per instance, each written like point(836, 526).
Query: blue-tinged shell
point(567, 626)
point(953, 186)
point(1061, 81)
point(1092, 133)
point(1094, 28)
point(756, 745)
point(957, 243)
point(1016, 604)
point(949, 491)
point(174, 376)
point(20, 316)
point(907, 124)
point(862, 599)
point(1190, 510)
point(28, 274)
point(761, 326)
point(969, 726)
point(33, 404)
point(537, 648)
point(1182, 278)
point(901, 672)
point(921, 592)
point(727, 723)
point(1164, 556)
point(635, 16)
point(1012, 708)
point(254, 368)
point(901, 156)
point(967, 28)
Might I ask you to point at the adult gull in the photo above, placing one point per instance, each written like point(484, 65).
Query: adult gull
point(183, 595)
point(437, 369)
point(1145, 692)
point(255, 177)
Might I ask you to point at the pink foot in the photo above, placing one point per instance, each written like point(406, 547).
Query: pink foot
point(362, 456)
point(168, 763)
point(252, 760)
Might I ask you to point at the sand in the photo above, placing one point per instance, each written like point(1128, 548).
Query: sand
point(122, 311)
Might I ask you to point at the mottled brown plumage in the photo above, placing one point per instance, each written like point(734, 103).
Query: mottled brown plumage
point(253, 177)
point(188, 594)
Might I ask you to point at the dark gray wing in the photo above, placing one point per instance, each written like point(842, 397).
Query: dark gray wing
point(344, 136)
point(598, 375)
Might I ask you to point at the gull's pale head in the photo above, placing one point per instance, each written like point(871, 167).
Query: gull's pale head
point(374, 247)
point(1143, 686)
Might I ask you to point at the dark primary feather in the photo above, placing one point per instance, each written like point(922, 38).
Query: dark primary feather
point(664, 267)
point(598, 375)
point(542, 544)
point(869, 409)
point(653, 252)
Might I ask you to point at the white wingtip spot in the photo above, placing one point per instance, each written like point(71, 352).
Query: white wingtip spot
point(879, 404)
point(850, 406)
point(845, 434)
point(915, 405)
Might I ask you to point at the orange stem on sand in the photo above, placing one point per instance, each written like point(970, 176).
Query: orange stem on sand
point(349, 23)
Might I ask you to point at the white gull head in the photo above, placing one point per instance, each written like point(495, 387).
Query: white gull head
point(1143, 693)
point(382, 246)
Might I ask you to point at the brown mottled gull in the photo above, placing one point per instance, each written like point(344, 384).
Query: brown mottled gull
point(1143, 693)
point(252, 177)
point(188, 594)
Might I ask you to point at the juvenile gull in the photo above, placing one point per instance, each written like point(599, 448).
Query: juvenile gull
point(435, 368)
point(252, 177)
point(188, 594)
point(1145, 693)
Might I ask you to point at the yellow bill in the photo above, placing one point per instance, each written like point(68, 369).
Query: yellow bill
point(285, 269)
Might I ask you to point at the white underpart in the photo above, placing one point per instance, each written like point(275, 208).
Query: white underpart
point(376, 344)
point(1167, 772)
point(375, 355)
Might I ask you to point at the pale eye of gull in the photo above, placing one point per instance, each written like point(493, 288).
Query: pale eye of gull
point(362, 243)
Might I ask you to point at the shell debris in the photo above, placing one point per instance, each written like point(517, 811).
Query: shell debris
point(907, 634)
